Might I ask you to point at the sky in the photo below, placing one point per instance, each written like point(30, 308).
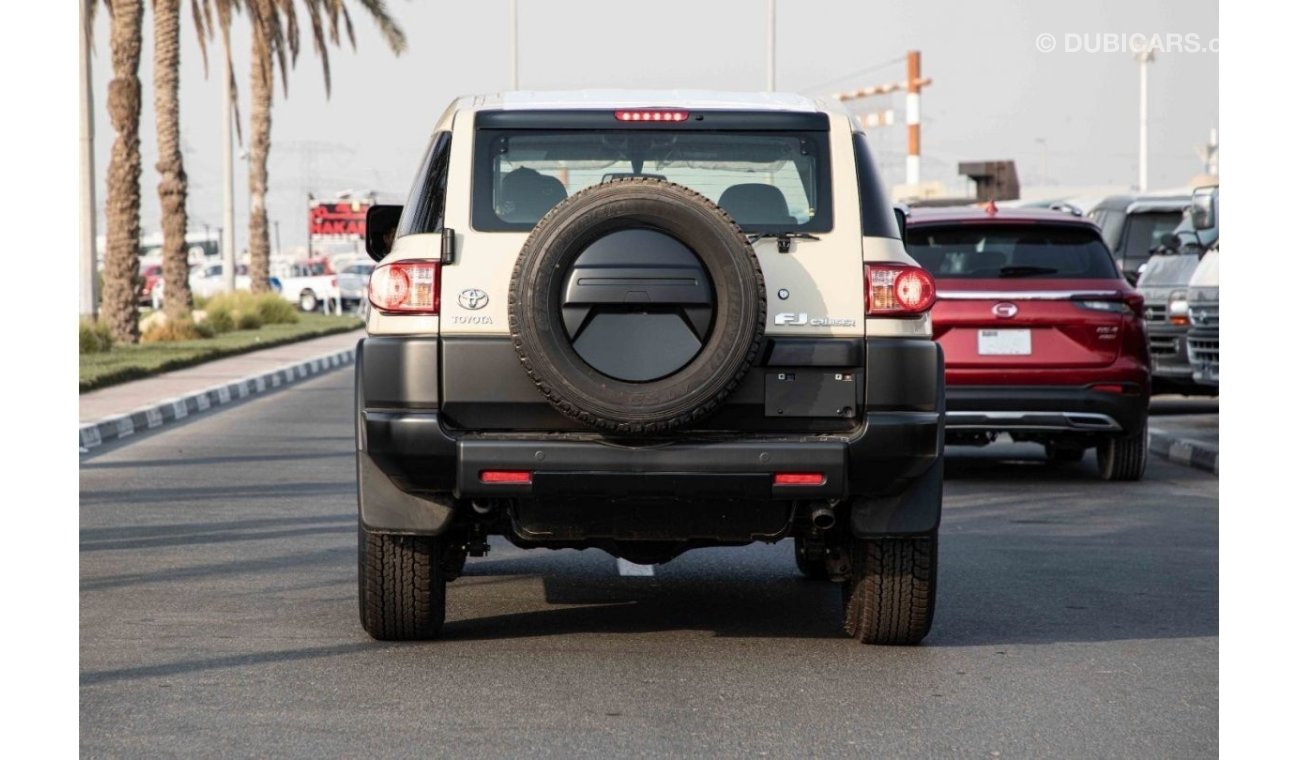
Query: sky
point(996, 93)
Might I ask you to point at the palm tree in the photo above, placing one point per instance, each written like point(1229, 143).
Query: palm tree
point(173, 185)
point(122, 207)
point(275, 41)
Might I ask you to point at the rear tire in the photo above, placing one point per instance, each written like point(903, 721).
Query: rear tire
point(402, 589)
point(814, 569)
point(1123, 458)
point(889, 598)
point(307, 301)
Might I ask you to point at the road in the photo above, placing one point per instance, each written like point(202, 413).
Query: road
point(1076, 618)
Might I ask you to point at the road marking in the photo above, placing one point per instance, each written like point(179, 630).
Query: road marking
point(631, 568)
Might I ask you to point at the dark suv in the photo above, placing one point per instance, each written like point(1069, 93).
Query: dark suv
point(647, 324)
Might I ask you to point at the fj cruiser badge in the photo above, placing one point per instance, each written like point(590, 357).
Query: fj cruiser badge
point(473, 298)
point(801, 319)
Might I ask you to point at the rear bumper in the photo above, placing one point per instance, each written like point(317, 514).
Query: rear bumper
point(1048, 409)
point(419, 455)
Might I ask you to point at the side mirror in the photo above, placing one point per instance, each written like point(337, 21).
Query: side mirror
point(1204, 213)
point(381, 225)
point(900, 216)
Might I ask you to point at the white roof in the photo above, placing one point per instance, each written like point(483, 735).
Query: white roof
point(596, 99)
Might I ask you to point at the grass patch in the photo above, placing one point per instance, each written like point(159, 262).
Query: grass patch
point(125, 363)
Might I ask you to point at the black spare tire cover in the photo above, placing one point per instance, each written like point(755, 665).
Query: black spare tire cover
point(708, 277)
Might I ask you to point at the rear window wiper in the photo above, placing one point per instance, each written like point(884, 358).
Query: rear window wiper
point(782, 238)
point(1024, 271)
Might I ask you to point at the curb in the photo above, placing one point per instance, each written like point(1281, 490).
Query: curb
point(150, 417)
point(1189, 453)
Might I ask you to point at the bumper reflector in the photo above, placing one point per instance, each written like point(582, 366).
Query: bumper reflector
point(505, 476)
point(798, 479)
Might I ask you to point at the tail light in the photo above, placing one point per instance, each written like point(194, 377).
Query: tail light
point(798, 479)
point(898, 289)
point(406, 287)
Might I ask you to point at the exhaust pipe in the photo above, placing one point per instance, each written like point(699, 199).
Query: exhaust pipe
point(823, 517)
point(483, 506)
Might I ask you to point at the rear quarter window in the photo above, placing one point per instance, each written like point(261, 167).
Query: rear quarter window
point(995, 251)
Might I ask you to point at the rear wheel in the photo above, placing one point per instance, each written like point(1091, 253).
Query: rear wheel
point(813, 567)
point(889, 598)
point(307, 301)
point(1124, 457)
point(402, 588)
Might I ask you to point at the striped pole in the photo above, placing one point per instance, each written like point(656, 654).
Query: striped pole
point(914, 117)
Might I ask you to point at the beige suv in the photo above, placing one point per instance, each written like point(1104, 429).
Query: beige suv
point(648, 322)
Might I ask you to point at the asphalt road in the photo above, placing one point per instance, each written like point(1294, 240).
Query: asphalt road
point(1076, 618)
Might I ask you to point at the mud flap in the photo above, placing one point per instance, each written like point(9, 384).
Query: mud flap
point(385, 508)
point(916, 510)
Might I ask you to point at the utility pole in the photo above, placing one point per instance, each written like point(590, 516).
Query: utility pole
point(913, 86)
point(88, 279)
point(514, 44)
point(1143, 58)
point(771, 45)
point(228, 177)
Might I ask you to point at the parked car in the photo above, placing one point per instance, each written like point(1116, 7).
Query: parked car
point(1042, 336)
point(312, 285)
point(1133, 227)
point(1203, 293)
point(353, 283)
point(207, 280)
point(641, 322)
point(1164, 286)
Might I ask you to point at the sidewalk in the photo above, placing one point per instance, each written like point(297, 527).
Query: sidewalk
point(119, 410)
point(1187, 439)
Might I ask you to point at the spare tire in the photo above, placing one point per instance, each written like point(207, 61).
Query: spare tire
point(636, 306)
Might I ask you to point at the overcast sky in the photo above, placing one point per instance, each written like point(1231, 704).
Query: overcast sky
point(995, 94)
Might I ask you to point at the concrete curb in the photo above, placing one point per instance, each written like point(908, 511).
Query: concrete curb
point(171, 410)
point(1184, 451)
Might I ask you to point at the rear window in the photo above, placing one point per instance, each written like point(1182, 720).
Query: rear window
point(768, 181)
point(985, 251)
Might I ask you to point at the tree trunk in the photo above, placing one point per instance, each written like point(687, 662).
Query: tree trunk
point(122, 207)
point(172, 183)
point(262, 86)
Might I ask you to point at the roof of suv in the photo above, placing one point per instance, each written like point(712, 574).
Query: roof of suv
point(1019, 215)
point(701, 99)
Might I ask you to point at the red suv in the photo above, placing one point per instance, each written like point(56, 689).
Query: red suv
point(1043, 338)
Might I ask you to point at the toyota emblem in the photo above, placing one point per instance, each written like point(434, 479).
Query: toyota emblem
point(473, 299)
point(1005, 310)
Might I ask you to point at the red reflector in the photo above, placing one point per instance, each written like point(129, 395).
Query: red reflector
point(1108, 388)
point(505, 476)
point(655, 114)
point(798, 479)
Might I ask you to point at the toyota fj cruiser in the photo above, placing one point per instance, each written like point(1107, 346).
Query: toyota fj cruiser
point(645, 323)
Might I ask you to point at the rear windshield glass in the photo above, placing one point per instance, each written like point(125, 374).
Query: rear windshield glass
point(767, 181)
point(984, 251)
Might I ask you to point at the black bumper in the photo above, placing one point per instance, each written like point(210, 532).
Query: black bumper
point(406, 440)
point(1051, 409)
